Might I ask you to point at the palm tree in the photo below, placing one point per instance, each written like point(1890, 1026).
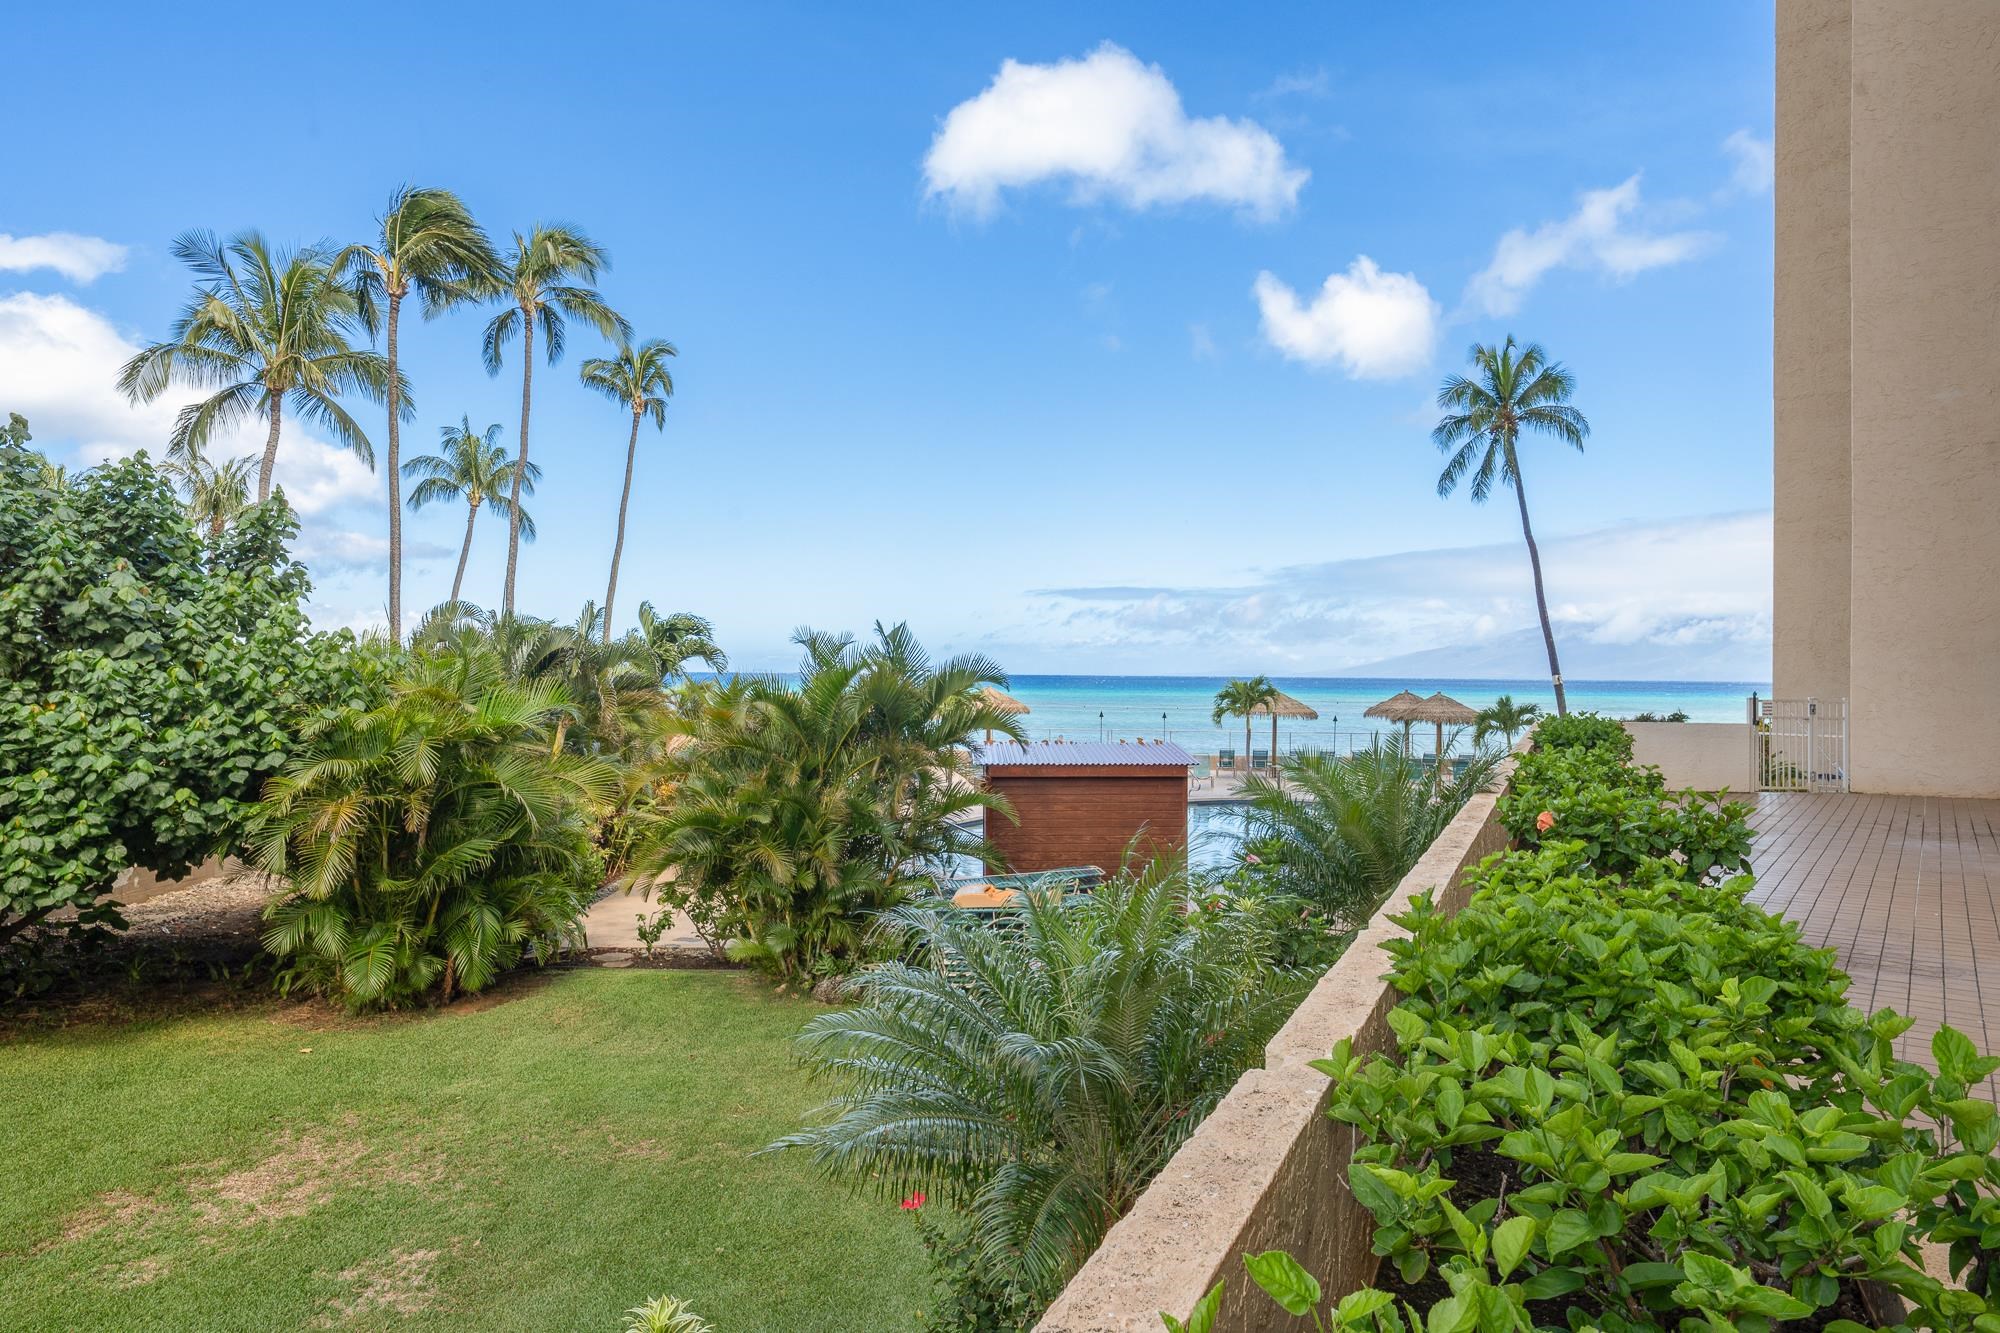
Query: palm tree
point(540, 280)
point(1505, 716)
point(637, 378)
point(1513, 391)
point(1241, 698)
point(430, 246)
point(475, 469)
point(1038, 1077)
point(677, 638)
point(264, 328)
point(1343, 831)
point(218, 493)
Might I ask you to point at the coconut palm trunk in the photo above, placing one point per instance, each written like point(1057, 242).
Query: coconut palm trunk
point(458, 579)
point(395, 479)
point(270, 463)
point(521, 459)
point(1541, 597)
point(618, 545)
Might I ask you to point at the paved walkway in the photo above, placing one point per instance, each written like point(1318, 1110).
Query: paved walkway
point(1907, 889)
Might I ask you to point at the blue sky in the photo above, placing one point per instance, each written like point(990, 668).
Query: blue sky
point(1011, 322)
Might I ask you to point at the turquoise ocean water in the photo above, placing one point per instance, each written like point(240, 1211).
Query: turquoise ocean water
point(1177, 708)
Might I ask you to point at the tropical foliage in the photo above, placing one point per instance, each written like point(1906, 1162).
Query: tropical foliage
point(1035, 1078)
point(473, 468)
point(1341, 832)
point(148, 682)
point(1507, 718)
point(433, 840)
point(217, 493)
point(1241, 698)
point(640, 379)
point(800, 810)
point(543, 281)
point(1638, 1101)
point(265, 329)
point(1513, 389)
point(428, 247)
point(665, 1314)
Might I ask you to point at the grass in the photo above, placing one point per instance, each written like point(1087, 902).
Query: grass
point(544, 1162)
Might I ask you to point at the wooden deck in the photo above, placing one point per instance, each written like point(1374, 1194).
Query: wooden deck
point(1907, 889)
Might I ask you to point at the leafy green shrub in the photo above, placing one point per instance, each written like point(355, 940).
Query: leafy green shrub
point(148, 682)
point(1036, 1077)
point(970, 1295)
point(1583, 731)
point(1621, 815)
point(1647, 1108)
point(432, 841)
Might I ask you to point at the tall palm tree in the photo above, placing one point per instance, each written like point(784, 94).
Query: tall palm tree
point(428, 246)
point(475, 469)
point(1506, 717)
point(1514, 390)
point(542, 282)
point(1241, 698)
point(638, 378)
point(263, 328)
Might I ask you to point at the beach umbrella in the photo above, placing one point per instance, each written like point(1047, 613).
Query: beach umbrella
point(1442, 709)
point(1283, 705)
point(1399, 707)
point(1006, 703)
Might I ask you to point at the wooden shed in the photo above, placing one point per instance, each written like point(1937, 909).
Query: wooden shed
point(1081, 803)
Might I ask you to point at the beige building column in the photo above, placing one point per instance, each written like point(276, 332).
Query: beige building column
point(1887, 361)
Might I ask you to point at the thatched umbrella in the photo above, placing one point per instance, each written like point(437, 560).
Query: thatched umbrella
point(1283, 705)
point(1442, 709)
point(1006, 703)
point(1399, 707)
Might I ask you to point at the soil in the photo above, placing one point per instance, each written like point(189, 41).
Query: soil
point(1482, 1175)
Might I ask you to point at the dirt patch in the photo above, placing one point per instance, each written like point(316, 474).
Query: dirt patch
point(400, 1282)
point(117, 1208)
point(137, 1273)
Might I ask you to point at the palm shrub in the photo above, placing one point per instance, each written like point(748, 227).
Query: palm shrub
point(795, 811)
point(1341, 832)
point(432, 841)
point(1037, 1077)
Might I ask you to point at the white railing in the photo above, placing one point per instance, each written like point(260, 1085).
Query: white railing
point(1799, 744)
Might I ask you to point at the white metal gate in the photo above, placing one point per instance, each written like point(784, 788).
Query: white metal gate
point(1799, 744)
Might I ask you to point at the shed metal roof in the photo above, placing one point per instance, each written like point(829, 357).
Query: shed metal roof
point(1081, 754)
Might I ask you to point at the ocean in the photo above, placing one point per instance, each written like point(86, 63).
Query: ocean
point(1177, 708)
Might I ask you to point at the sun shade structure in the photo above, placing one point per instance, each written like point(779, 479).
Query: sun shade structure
point(1399, 707)
point(1283, 705)
point(1006, 703)
point(1445, 711)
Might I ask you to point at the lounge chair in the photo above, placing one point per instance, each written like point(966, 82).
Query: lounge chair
point(1225, 760)
point(1260, 759)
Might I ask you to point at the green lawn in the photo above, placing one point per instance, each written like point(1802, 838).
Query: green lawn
point(540, 1163)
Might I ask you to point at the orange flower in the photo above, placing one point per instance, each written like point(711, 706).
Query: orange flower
point(1545, 821)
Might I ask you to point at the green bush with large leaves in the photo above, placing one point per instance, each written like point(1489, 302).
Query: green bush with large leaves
point(1620, 816)
point(149, 682)
point(1640, 1102)
point(435, 840)
point(795, 811)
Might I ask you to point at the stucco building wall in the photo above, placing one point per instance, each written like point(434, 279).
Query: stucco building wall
point(1708, 756)
point(1901, 98)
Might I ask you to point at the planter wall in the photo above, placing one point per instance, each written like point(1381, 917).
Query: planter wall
point(1268, 1170)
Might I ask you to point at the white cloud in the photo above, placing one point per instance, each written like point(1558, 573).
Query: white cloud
point(1113, 128)
point(78, 258)
point(1374, 325)
point(1753, 163)
point(1679, 597)
point(59, 365)
point(1599, 236)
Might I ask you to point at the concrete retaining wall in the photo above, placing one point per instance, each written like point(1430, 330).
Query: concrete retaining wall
point(1267, 1169)
point(1709, 756)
